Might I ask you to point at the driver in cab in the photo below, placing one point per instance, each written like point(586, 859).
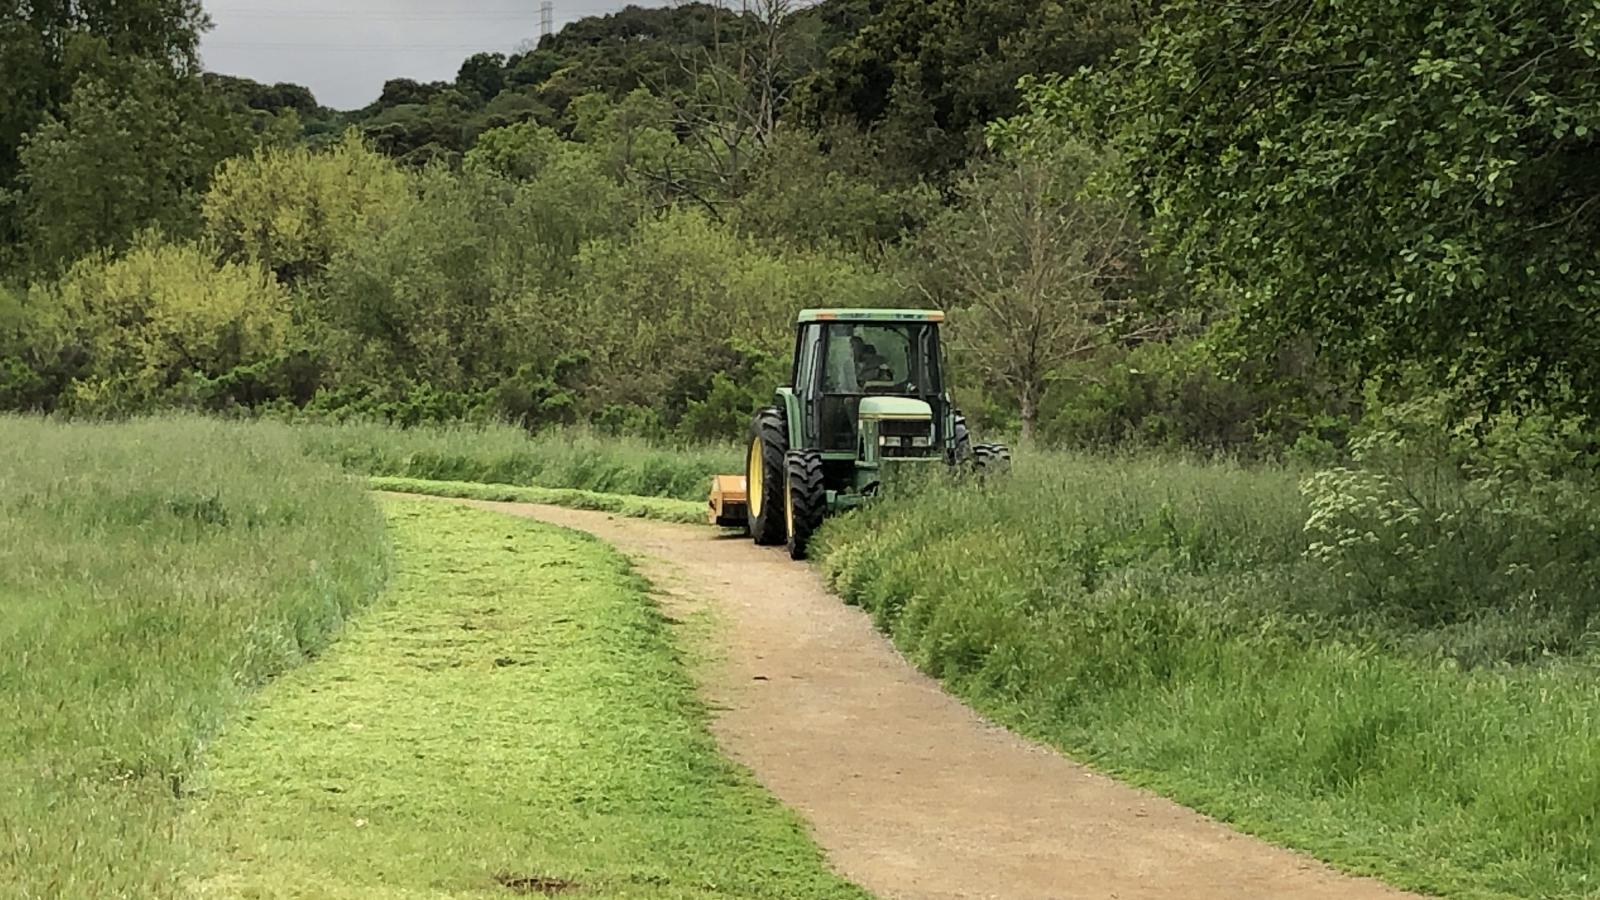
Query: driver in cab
point(871, 366)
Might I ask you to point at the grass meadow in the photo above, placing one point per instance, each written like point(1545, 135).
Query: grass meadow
point(151, 575)
point(568, 459)
point(1165, 621)
point(223, 673)
point(1399, 675)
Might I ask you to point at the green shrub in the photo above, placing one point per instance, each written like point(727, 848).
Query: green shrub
point(1486, 533)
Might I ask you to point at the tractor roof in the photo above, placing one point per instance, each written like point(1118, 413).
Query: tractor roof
point(871, 315)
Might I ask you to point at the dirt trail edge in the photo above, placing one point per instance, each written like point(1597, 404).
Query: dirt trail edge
point(912, 794)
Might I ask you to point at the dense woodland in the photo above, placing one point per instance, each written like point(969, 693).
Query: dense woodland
point(1248, 226)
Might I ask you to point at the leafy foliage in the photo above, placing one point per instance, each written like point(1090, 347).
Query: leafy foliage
point(1458, 526)
point(1327, 195)
point(829, 190)
point(47, 48)
point(293, 211)
point(707, 290)
point(1412, 184)
point(160, 320)
point(932, 75)
point(132, 150)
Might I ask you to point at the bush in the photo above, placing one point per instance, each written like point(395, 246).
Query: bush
point(149, 324)
point(710, 296)
point(1486, 533)
point(1157, 395)
point(293, 210)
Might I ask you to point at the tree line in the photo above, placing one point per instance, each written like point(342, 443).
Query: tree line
point(1234, 225)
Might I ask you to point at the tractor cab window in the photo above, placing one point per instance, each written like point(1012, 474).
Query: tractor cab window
point(887, 358)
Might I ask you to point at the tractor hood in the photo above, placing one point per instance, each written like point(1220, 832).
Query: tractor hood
point(894, 408)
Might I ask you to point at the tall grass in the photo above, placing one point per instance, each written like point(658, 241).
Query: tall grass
point(505, 455)
point(1166, 621)
point(150, 574)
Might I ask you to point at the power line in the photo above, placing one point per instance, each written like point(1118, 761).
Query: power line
point(301, 45)
point(521, 16)
point(368, 14)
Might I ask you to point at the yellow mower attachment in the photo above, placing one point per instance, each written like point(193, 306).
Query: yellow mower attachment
point(730, 502)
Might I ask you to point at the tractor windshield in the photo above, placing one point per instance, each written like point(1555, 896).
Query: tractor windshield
point(881, 358)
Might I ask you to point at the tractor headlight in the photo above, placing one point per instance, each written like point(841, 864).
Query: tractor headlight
point(923, 441)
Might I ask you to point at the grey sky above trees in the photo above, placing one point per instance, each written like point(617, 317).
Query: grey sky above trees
point(344, 51)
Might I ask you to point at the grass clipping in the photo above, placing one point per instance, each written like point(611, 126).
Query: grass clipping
point(515, 718)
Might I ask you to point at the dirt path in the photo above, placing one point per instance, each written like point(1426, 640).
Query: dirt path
point(911, 794)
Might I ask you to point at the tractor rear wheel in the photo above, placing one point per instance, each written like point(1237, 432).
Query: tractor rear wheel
point(764, 476)
point(806, 499)
point(991, 458)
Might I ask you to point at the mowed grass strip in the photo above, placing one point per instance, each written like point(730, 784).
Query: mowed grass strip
point(151, 575)
point(512, 717)
point(662, 509)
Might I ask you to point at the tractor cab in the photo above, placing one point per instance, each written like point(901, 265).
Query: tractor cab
point(869, 384)
point(866, 394)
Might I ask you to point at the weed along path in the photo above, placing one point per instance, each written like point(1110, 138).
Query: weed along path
point(910, 793)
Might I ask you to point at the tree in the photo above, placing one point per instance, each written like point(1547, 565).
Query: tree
point(47, 47)
point(930, 74)
point(456, 292)
point(483, 75)
point(1407, 184)
point(710, 295)
point(1037, 261)
point(292, 210)
point(404, 92)
point(734, 92)
point(517, 152)
point(634, 138)
point(127, 153)
point(830, 189)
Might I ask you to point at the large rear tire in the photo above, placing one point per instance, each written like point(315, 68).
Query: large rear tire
point(990, 459)
point(764, 476)
point(806, 499)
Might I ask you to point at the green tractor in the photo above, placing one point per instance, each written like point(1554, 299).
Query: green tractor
point(867, 394)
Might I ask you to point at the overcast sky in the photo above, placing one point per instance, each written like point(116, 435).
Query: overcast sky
point(345, 50)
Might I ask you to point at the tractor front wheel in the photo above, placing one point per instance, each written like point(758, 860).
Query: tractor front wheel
point(764, 476)
point(806, 499)
point(991, 458)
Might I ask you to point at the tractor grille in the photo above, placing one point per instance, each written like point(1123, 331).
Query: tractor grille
point(908, 452)
point(906, 438)
point(906, 428)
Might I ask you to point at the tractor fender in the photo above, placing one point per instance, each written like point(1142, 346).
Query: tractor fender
point(793, 415)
